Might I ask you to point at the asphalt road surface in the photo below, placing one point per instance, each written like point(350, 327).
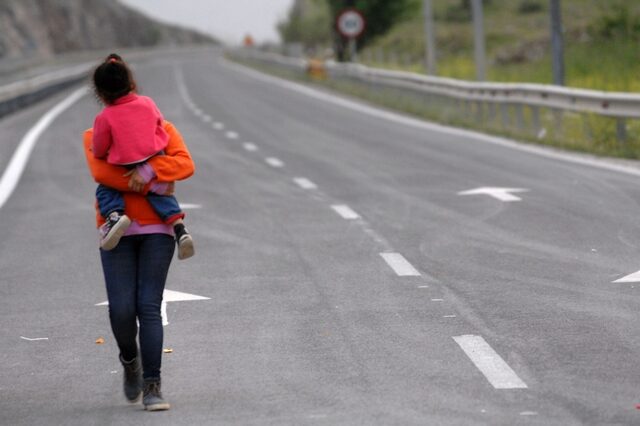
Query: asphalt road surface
point(349, 274)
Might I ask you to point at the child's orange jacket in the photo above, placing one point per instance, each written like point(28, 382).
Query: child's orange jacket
point(175, 165)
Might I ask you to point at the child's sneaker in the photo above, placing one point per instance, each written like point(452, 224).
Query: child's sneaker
point(184, 241)
point(113, 229)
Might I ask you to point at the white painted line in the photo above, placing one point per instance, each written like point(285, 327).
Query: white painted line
point(449, 316)
point(218, 126)
point(497, 372)
point(305, 183)
point(345, 211)
point(188, 206)
point(18, 162)
point(274, 162)
point(529, 413)
point(34, 339)
point(423, 286)
point(232, 135)
point(198, 112)
point(207, 118)
point(541, 151)
point(400, 265)
point(437, 300)
point(631, 278)
point(250, 147)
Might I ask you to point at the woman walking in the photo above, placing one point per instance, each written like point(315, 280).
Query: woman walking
point(135, 270)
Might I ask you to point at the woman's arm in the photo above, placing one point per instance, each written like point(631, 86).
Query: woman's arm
point(177, 163)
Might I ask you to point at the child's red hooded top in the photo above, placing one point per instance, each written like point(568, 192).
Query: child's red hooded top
point(129, 131)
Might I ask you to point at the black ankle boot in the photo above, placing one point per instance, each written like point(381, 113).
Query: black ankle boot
point(152, 398)
point(132, 379)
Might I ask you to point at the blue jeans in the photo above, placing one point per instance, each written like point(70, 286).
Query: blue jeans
point(135, 273)
point(110, 200)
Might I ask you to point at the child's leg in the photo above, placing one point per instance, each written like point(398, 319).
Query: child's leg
point(167, 207)
point(111, 206)
point(109, 201)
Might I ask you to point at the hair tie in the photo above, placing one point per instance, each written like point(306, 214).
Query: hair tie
point(113, 60)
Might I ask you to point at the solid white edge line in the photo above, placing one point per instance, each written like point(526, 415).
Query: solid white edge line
point(490, 364)
point(305, 183)
point(400, 265)
point(425, 125)
point(18, 162)
point(345, 211)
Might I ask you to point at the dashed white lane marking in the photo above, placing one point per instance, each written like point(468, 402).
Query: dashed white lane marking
point(494, 368)
point(18, 162)
point(449, 316)
point(218, 126)
point(423, 286)
point(437, 300)
point(274, 162)
point(400, 265)
point(250, 146)
point(198, 112)
point(345, 211)
point(305, 183)
point(231, 135)
point(207, 118)
point(529, 413)
point(35, 339)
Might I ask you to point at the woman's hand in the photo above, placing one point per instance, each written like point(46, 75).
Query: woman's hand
point(171, 189)
point(136, 182)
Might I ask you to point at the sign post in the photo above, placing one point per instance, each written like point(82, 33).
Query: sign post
point(351, 25)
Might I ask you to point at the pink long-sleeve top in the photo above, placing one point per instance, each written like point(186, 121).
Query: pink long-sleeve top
point(129, 131)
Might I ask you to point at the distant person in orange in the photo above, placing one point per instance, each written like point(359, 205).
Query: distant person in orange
point(127, 133)
point(135, 270)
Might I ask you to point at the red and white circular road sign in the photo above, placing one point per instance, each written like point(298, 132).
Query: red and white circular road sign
point(350, 23)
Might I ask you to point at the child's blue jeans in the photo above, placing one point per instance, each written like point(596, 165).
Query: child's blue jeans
point(111, 200)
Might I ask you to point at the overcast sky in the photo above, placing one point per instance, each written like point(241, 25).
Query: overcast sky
point(228, 20)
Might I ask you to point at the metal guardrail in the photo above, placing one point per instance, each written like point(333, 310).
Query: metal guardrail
point(20, 94)
point(482, 100)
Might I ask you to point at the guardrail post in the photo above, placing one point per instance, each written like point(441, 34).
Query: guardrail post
point(504, 115)
point(492, 114)
point(535, 118)
point(479, 112)
point(520, 117)
point(621, 129)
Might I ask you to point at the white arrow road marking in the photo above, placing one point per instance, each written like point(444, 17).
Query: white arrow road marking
point(497, 372)
point(170, 296)
point(187, 206)
point(631, 278)
point(502, 194)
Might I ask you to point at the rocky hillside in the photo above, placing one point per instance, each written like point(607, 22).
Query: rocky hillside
point(48, 27)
